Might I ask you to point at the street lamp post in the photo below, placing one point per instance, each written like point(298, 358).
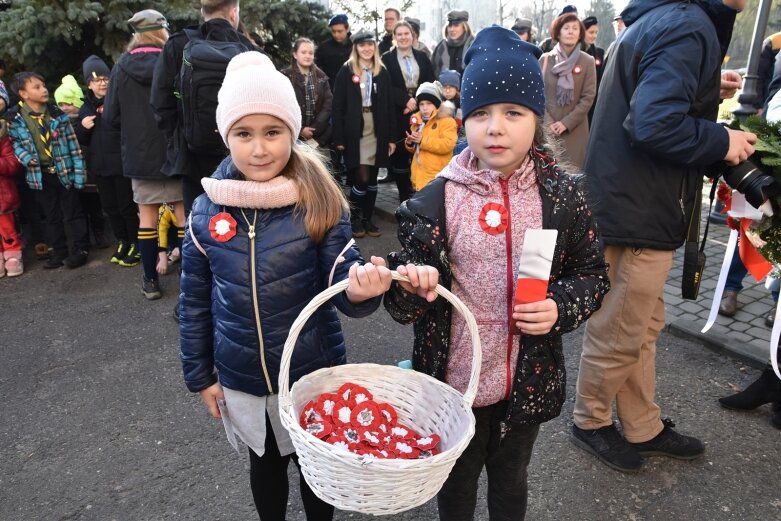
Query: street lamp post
point(750, 91)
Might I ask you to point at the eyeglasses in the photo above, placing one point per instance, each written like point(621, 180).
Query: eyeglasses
point(100, 81)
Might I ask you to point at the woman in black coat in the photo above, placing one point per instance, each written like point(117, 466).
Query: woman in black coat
point(408, 68)
point(143, 145)
point(313, 93)
point(364, 126)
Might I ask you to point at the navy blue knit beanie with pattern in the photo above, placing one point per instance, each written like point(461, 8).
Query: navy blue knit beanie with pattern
point(502, 68)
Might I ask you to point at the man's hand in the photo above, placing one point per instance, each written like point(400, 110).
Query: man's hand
point(741, 146)
point(731, 81)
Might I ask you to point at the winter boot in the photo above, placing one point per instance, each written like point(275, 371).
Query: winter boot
point(357, 199)
point(13, 263)
point(765, 389)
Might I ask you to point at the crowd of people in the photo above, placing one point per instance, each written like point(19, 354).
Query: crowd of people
point(197, 144)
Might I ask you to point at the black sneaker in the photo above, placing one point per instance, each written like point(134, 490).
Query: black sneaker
point(151, 288)
point(371, 229)
point(133, 257)
point(670, 443)
point(55, 261)
point(120, 254)
point(76, 259)
point(608, 446)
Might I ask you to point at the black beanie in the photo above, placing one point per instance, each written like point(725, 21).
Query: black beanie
point(94, 67)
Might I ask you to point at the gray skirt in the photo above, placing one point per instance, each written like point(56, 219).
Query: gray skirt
point(368, 144)
point(157, 191)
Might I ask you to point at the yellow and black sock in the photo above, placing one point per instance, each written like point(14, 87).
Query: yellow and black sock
point(147, 245)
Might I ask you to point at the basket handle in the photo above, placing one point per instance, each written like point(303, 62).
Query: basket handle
point(324, 296)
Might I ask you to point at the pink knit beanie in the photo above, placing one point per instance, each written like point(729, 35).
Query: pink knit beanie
point(253, 85)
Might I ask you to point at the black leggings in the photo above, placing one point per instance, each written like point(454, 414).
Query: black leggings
point(269, 484)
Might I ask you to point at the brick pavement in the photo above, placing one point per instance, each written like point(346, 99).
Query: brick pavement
point(744, 336)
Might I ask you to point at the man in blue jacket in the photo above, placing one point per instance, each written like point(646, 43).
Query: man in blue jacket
point(653, 139)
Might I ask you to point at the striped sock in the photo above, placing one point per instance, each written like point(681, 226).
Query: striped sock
point(179, 237)
point(147, 245)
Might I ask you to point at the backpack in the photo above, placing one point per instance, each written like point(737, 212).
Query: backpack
point(203, 69)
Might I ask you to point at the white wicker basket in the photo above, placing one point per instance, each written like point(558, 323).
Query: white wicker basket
point(380, 486)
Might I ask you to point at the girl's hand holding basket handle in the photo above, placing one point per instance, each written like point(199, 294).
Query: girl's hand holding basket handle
point(368, 281)
point(422, 280)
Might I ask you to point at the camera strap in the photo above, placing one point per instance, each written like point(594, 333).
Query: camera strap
point(712, 196)
point(694, 251)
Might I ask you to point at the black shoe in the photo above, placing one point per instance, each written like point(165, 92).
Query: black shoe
point(371, 229)
point(55, 261)
point(133, 257)
point(670, 443)
point(100, 240)
point(770, 318)
point(765, 389)
point(151, 288)
point(120, 254)
point(358, 230)
point(608, 446)
point(77, 259)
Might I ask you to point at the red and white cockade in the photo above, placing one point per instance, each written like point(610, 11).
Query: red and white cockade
point(351, 420)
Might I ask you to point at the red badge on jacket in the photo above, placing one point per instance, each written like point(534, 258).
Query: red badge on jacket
point(577, 69)
point(356, 79)
point(493, 218)
point(222, 227)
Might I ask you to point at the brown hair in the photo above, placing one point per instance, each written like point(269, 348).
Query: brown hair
point(320, 200)
point(406, 24)
point(398, 13)
point(296, 45)
point(558, 23)
point(209, 7)
point(355, 61)
point(156, 38)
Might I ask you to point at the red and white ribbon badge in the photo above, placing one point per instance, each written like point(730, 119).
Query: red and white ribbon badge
point(222, 227)
point(493, 218)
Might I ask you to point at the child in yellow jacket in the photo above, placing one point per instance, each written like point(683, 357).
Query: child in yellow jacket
point(432, 135)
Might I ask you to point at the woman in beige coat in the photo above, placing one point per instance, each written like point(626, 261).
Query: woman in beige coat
point(570, 78)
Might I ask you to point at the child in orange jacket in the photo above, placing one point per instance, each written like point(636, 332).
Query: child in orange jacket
point(432, 135)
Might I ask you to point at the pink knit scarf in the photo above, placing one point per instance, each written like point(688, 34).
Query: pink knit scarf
point(275, 193)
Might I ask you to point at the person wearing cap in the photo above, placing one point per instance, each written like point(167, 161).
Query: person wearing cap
point(331, 54)
point(408, 69)
point(220, 24)
point(432, 134)
point(391, 16)
point(548, 43)
point(591, 25)
point(416, 43)
point(655, 136)
point(270, 222)
point(523, 28)
point(102, 151)
point(364, 126)
point(456, 38)
point(143, 144)
point(470, 224)
point(570, 87)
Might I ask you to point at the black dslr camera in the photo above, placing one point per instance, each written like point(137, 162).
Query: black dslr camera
point(750, 181)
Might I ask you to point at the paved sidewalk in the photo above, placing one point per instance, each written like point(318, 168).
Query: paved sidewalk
point(744, 336)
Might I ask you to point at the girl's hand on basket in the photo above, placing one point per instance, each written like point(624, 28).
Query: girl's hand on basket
point(210, 395)
point(536, 318)
point(422, 280)
point(368, 281)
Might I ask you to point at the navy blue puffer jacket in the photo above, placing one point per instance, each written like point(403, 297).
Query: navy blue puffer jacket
point(219, 320)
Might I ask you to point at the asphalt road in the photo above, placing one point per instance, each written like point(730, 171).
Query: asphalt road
point(97, 424)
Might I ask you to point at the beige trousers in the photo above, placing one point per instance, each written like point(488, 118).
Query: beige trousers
point(619, 346)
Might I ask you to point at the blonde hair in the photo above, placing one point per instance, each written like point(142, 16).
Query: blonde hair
point(320, 199)
point(355, 63)
point(156, 38)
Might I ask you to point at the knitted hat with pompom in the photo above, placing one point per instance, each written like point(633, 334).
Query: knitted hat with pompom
point(253, 85)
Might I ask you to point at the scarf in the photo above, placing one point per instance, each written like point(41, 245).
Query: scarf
point(565, 85)
point(274, 193)
point(309, 98)
point(452, 51)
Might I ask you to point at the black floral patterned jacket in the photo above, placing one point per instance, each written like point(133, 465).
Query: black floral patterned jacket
point(578, 282)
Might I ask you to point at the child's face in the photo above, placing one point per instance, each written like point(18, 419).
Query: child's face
point(98, 86)
point(449, 91)
point(34, 91)
point(260, 146)
point(500, 135)
point(426, 108)
point(68, 108)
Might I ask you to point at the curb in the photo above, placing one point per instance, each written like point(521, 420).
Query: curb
point(717, 339)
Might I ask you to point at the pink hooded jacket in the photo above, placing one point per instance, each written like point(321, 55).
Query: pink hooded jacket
point(485, 267)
